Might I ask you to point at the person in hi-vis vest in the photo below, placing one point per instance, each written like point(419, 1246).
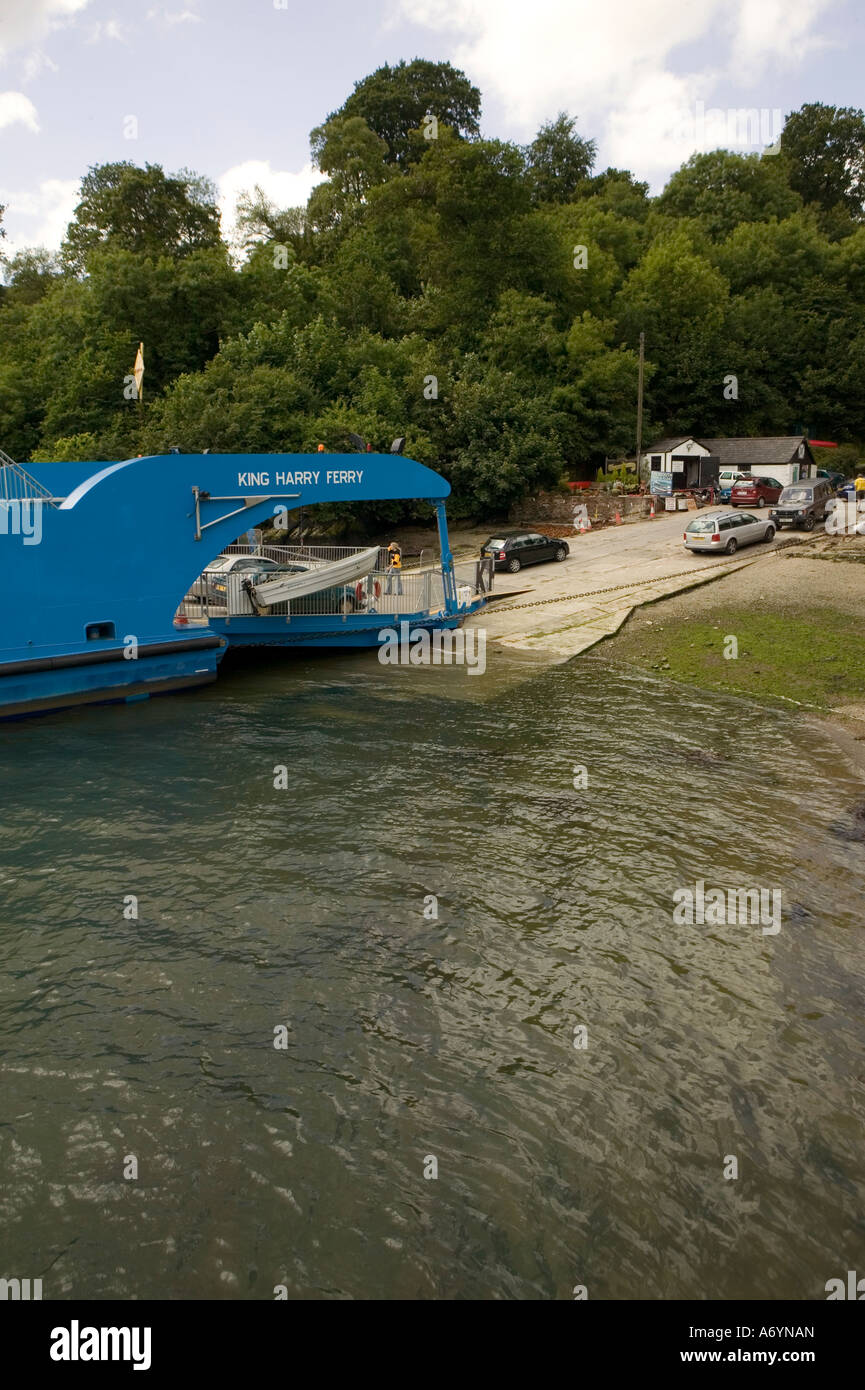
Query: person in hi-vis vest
point(394, 568)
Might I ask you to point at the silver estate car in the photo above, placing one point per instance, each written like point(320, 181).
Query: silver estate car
point(726, 531)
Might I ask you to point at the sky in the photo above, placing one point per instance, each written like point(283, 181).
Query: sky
point(231, 88)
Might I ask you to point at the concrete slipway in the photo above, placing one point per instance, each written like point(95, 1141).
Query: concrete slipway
point(560, 610)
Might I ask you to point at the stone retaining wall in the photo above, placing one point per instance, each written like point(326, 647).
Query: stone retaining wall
point(558, 507)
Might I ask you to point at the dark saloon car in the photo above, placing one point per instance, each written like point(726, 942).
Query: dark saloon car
point(511, 550)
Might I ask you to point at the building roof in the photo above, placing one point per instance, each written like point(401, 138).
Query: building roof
point(757, 450)
point(663, 446)
point(747, 450)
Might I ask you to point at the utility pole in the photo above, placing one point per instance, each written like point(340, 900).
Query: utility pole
point(640, 404)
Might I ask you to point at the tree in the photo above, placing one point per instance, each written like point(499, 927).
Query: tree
point(395, 100)
point(463, 202)
point(792, 256)
point(502, 439)
point(126, 208)
point(721, 190)
point(825, 146)
point(558, 161)
point(680, 299)
point(596, 404)
point(618, 191)
point(522, 336)
point(352, 154)
point(29, 275)
point(259, 219)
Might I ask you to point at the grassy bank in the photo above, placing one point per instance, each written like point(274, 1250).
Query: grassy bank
point(797, 624)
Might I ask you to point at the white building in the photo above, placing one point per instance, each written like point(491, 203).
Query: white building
point(787, 458)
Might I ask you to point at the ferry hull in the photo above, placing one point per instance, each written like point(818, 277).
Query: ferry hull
point(64, 679)
point(361, 630)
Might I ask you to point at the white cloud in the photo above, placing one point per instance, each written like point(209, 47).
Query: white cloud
point(16, 109)
point(285, 189)
point(35, 64)
point(775, 31)
point(173, 17)
point(26, 22)
point(107, 29)
point(38, 218)
point(616, 66)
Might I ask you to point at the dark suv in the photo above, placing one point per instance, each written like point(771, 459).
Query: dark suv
point(803, 504)
point(510, 550)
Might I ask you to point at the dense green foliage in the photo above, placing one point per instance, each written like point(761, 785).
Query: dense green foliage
point(482, 299)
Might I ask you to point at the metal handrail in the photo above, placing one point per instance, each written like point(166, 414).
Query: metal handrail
point(385, 593)
point(17, 485)
point(287, 553)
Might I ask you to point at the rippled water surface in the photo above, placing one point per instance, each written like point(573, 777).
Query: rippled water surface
point(408, 1037)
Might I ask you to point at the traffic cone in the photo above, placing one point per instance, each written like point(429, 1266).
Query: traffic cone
point(618, 517)
point(652, 512)
point(582, 525)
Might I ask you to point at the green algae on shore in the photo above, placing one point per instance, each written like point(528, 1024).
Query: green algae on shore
point(815, 657)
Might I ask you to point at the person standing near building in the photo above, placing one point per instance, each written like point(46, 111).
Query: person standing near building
point(394, 568)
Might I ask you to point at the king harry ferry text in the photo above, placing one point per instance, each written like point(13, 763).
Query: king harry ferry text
point(308, 478)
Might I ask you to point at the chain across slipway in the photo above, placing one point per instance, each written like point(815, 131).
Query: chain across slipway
point(643, 583)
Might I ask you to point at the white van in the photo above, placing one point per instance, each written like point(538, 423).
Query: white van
point(726, 478)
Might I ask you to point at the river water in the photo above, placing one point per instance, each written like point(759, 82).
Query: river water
point(296, 916)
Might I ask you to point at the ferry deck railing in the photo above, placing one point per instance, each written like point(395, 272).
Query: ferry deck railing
point(382, 593)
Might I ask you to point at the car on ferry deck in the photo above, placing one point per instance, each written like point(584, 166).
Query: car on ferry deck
point(337, 598)
point(213, 584)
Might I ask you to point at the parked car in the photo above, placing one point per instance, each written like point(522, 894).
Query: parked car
point(511, 550)
point(803, 504)
point(338, 598)
point(726, 478)
point(836, 479)
point(726, 531)
point(847, 493)
point(213, 585)
point(755, 492)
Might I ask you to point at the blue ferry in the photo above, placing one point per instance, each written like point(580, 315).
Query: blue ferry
point(125, 580)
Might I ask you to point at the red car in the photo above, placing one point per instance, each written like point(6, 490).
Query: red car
point(755, 492)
